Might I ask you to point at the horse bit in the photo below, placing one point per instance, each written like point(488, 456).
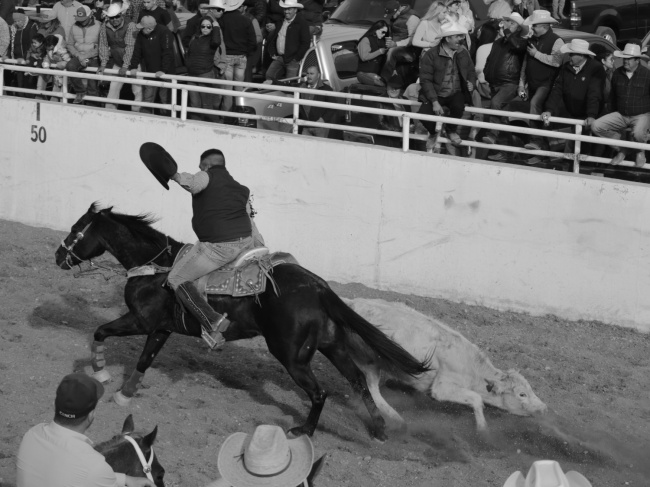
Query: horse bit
point(80, 235)
point(146, 465)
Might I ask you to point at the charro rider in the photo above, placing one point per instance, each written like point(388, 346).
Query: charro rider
point(222, 223)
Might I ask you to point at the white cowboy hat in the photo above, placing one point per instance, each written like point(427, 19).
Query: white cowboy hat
point(540, 17)
point(45, 17)
point(265, 459)
point(519, 20)
point(547, 473)
point(450, 29)
point(577, 46)
point(227, 5)
point(630, 51)
point(117, 8)
point(290, 4)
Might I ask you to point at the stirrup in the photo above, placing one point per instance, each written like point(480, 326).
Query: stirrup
point(222, 324)
point(213, 343)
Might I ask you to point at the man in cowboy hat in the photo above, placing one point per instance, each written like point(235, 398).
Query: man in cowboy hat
point(266, 459)
point(578, 88)
point(541, 65)
point(630, 101)
point(503, 69)
point(116, 43)
point(288, 42)
point(83, 43)
point(403, 22)
point(49, 24)
point(447, 77)
point(59, 453)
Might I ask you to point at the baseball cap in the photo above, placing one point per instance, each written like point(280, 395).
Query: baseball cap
point(77, 395)
point(147, 22)
point(391, 7)
point(82, 14)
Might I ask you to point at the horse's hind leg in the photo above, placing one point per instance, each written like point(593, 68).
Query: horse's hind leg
point(373, 377)
point(126, 325)
point(155, 341)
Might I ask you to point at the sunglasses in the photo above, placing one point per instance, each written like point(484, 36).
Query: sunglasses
point(209, 27)
point(220, 10)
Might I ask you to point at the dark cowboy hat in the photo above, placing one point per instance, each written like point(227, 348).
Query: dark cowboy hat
point(159, 162)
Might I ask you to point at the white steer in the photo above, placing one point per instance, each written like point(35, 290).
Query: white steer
point(460, 371)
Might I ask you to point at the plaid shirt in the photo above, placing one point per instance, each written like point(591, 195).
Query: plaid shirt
point(631, 96)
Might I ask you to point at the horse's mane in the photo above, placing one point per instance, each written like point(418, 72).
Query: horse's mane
point(115, 442)
point(138, 225)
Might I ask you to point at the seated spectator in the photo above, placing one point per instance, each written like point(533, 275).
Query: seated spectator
point(116, 43)
point(427, 33)
point(447, 77)
point(630, 103)
point(372, 53)
point(83, 42)
point(497, 9)
point(313, 81)
point(154, 52)
point(503, 70)
point(525, 8)
point(403, 23)
point(66, 11)
point(56, 56)
point(606, 58)
point(265, 458)
point(288, 42)
point(21, 32)
point(152, 9)
point(578, 88)
point(59, 452)
point(313, 14)
point(49, 24)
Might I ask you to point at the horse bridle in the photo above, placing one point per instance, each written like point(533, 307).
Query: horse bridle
point(146, 465)
point(80, 235)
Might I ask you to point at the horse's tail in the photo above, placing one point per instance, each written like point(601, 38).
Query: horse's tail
point(390, 354)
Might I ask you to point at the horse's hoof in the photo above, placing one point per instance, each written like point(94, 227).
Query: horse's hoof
point(120, 399)
point(102, 376)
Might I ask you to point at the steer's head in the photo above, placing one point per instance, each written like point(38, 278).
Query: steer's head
point(513, 393)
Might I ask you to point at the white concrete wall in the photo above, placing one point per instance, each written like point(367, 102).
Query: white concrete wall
point(492, 234)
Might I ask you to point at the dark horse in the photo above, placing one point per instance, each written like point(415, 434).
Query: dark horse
point(122, 456)
point(304, 316)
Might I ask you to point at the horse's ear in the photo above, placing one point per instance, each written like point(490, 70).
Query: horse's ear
point(128, 426)
point(150, 438)
point(106, 211)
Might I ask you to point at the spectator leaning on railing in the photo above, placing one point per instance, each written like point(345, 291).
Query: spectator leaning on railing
point(288, 42)
point(630, 103)
point(21, 33)
point(116, 43)
point(83, 46)
point(56, 56)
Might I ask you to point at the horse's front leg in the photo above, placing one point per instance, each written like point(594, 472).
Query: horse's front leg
point(155, 342)
point(126, 325)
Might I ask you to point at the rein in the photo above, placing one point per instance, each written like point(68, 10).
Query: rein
point(146, 465)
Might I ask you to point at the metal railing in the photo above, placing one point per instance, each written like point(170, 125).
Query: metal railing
point(179, 107)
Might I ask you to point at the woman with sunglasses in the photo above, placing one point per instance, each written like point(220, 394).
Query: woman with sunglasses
point(372, 53)
point(200, 63)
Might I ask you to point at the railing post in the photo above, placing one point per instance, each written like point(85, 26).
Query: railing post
point(174, 99)
point(2, 80)
point(64, 89)
point(296, 111)
point(184, 95)
point(576, 151)
point(406, 125)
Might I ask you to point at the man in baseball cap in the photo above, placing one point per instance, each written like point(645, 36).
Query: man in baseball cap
point(59, 453)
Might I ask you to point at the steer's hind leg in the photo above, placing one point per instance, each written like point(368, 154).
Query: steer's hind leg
point(447, 390)
point(126, 325)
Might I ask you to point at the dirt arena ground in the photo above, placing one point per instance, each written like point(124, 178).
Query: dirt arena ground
point(593, 377)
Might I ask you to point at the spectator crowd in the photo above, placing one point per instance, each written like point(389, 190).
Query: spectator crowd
point(442, 61)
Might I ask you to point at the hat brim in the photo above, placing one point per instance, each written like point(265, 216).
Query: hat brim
point(159, 162)
point(531, 21)
point(622, 55)
point(297, 5)
point(230, 463)
point(452, 33)
point(43, 20)
point(566, 49)
point(81, 19)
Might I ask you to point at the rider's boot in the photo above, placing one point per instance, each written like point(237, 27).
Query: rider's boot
point(212, 323)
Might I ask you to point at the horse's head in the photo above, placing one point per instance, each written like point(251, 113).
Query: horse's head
point(81, 243)
point(122, 456)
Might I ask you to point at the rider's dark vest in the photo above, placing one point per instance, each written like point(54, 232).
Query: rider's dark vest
point(539, 74)
point(399, 30)
point(373, 65)
point(220, 209)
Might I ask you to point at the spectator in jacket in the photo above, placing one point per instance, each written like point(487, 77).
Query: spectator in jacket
point(630, 103)
point(447, 78)
point(154, 52)
point(274, 15)
point(427, 33)
point(403, 23)
point(116, 43)
point(257, 9)
point(606, 58)
point(153, 9)
point(83, 46)
point(288, 42)
point(541, 66)
point(503, 70)
point(372, 54)
point(313, 81)
point(49, 24)
point(192, 26)
point(56, 56)
point(22, 31)
point(7, 8)
point(313, 14)
point(200, 63)
point(66, 11)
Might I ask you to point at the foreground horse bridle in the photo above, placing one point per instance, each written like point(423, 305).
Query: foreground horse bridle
point(146, 465)
point(69, 253)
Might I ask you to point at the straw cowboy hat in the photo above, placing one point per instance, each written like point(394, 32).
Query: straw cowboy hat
point(290, 4)
point(227, 5)
point(519, 20)
point(451, 29)
point(630, 51)
point(117, 8)
point(45, 17)
point(577, 46)
point(540, 17)
point(265, 459)
point(547, 473)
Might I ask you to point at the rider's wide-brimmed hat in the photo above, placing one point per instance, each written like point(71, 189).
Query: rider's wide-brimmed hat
point(450, 29)
point(540, 17)
point(290, 4)
point(117, 8)
point(265, 459)
point(631, 51)
point(547, 473)
point(577, 46)
point(227, 5)
point(159, 162)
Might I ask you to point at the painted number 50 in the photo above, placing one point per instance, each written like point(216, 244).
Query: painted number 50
point(38, 134)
